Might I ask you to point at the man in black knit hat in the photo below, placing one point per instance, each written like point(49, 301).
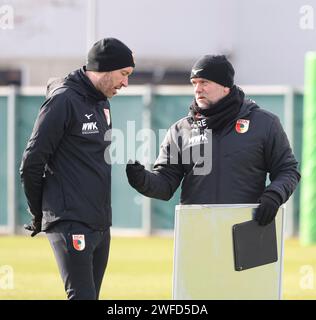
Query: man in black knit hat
point(66, 178)
point(223, 150)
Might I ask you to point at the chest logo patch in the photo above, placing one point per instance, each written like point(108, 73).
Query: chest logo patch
point(198, 139)
point(107, 116)
point(89, 128)
point(242, 125)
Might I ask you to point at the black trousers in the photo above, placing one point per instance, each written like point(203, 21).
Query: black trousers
point(82, 255)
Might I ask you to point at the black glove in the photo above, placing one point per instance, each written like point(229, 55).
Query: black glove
point(35, 226)
point(268, 208)
point(135, 173)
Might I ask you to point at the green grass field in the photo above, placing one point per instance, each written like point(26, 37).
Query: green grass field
point(139, 268)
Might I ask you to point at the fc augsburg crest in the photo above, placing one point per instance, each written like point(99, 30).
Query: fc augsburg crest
point(242, 125)
point(78, 242)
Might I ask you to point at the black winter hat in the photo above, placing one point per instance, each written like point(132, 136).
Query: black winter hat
point(214, 68)
point(109, 54)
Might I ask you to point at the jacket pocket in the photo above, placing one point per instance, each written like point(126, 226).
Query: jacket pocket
point(53, 198)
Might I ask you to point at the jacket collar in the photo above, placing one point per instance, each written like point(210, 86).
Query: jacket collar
point(79, 82)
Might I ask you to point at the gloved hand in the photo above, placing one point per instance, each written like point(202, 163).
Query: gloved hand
point(268, 208)
point(35, 226)
point(135, 173)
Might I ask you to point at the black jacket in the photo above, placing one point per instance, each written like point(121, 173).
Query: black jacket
point(239, 162)
point(63, 171)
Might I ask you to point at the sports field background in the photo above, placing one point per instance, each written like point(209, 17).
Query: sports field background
point(139, 268)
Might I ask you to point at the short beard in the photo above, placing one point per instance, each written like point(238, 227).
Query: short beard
point(104, 85)
point(204, 105)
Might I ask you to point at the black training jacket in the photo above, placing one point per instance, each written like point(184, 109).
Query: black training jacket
point(242, 154)
point(63, 170)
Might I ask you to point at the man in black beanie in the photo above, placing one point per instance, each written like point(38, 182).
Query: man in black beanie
point(64, 172)
point(223, 150)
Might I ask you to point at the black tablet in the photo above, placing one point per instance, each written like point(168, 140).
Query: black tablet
point(254, 245)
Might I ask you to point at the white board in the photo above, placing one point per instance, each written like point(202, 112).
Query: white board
point(204, 257)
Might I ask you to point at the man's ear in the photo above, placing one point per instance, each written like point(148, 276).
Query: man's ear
point(226, 90)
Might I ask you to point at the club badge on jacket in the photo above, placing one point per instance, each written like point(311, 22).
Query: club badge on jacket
point(107, 116)
point(242, 125)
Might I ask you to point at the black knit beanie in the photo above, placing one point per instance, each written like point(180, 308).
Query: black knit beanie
point(214, 68)
point(109, 54)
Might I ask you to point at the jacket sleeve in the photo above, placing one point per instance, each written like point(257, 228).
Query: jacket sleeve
point(48, 130)
point(164, 179)
point(282, 165)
